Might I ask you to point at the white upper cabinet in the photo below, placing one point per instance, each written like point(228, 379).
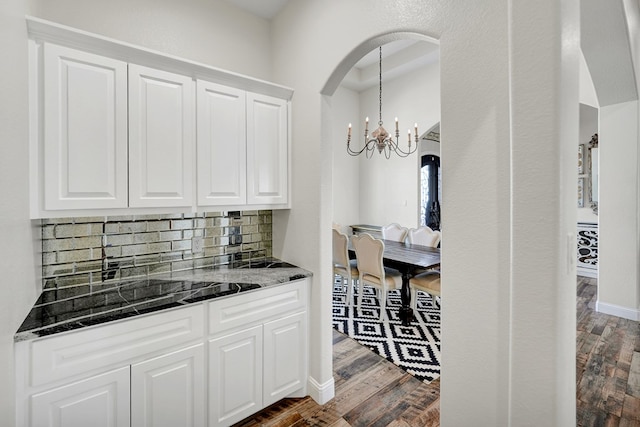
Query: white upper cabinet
point(221, 163)
point(117, 129)
point(85, 130)
point(161, 138)
point(267, 150)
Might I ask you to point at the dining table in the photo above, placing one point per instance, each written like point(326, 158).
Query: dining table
point(409, 260)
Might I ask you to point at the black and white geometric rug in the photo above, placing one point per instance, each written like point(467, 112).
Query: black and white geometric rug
point(415, 348)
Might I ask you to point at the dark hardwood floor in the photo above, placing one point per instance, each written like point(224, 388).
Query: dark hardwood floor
point(373, 392)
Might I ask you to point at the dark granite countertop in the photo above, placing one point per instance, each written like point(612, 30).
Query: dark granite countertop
point(67, 309)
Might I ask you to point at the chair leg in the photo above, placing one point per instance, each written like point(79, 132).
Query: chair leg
point(383, 303)
point(414, 300)
point(347, 281)
point(353, 288)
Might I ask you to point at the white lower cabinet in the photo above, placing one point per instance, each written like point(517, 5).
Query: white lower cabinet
point(169, 390)
point(212, 364)
point(235, 376)
point(99, 401)
point(284, 356)
point(258, 354)
point(251, 369)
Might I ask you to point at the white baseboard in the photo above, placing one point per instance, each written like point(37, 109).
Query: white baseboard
point(321, 393)
point(617, 310)
point(587, 272)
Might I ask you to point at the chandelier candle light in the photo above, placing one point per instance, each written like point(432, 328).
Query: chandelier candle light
point(380, 138)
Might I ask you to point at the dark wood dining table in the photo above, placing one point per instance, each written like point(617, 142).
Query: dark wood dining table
point(408, 259)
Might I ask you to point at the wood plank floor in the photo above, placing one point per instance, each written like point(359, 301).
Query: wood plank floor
point(607, 365)
point(373, 392)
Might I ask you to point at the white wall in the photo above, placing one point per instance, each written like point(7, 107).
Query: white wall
point(345, 106)
point(19, 253)
point(619, 118)
point(587, 91)
point(509, 85)
point(389, 189)
point(618, 291)
point(208, 31)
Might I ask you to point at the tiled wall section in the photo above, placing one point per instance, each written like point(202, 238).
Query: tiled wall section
point(79, 251)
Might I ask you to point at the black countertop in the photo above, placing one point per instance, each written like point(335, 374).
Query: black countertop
point(60, 310)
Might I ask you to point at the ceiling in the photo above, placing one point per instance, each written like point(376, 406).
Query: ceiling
point(264, 8)
point(600, 48)
point(398, 57)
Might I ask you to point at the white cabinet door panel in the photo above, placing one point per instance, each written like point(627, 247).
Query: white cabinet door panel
point(161, 138)
point(100, 401)
point(85, 130)
point(222, 164)
point(284, 355)
point(267, 150)
point(169, 390)
point(235, 376)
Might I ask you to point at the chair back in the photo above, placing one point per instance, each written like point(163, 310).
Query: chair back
point(340, 249)
point(395, 232)
point(369, 252)
point(424, 236)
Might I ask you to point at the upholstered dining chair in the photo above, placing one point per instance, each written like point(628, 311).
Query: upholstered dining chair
point(369, 251)
point(342, 266)
point(424, 236)
point(394, 231)
point(428, 282)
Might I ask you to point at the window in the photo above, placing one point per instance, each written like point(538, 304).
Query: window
point(430, 191)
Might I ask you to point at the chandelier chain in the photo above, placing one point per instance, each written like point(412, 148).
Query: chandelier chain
point(380, 92)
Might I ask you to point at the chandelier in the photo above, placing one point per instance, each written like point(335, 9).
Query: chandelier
point(380, 138)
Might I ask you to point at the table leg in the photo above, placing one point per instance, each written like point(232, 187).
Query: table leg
point(405, 313)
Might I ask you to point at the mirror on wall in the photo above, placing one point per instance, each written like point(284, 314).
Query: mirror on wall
point(592, 165)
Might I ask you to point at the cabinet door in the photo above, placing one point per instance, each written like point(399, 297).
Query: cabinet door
point(284, 357)
point(85, 130)
point(235, 376)
point(161, 138)
point(267, 150)
point(222, 159)
point(100, 401)
point(169, 390)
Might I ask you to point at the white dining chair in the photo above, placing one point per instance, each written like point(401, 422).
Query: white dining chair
point(424, 236)
point(394, 232)
point(369, 254)
point(428, 282)
point(342, 266)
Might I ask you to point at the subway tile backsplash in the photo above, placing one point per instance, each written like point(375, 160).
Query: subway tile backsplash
point(92, 250)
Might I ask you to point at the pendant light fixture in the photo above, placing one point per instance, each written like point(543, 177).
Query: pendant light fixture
point(380, 138)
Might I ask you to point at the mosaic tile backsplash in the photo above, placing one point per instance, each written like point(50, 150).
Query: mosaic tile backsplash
point(91, 250)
